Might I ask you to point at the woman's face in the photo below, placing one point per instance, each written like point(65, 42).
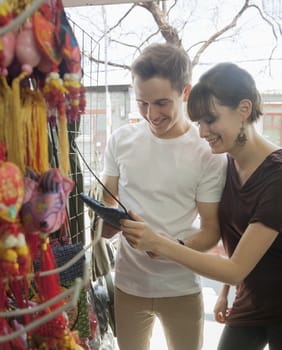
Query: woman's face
point(221, 128)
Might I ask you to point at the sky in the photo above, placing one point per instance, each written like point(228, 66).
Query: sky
point(249, 45)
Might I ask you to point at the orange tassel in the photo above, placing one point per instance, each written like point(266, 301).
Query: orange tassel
point(15, 125)
point(5, 111)
point(36, 131)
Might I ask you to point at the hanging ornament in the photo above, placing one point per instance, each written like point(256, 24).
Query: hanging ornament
point(44, 33)
point(71, 67)
point(11, 189)
point(7, 52)
point(44, 207)
point(72, 85)
point(54, 94)
point(27, 52)
point(15, 259)
point(14, 253)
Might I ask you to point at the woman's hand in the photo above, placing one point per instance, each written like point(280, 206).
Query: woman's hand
point(221, 310)
point(138, 233)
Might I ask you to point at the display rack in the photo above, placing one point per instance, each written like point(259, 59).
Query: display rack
point(77, 233)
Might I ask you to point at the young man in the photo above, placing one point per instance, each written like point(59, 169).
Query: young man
point(162, 170)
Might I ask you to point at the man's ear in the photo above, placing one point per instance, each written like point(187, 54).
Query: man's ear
point(186, 92)
point(245, 108)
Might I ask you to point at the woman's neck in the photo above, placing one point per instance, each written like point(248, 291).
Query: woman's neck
point(249, 156)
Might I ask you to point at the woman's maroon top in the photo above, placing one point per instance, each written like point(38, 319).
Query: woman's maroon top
point(258, 298)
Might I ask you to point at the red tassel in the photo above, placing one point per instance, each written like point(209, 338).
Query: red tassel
point(48, 286)
point(33, 244)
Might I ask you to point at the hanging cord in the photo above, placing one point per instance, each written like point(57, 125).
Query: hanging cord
point(96, 177)
point(54, 147)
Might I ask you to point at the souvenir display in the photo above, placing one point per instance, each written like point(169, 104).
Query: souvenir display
point(40, 92)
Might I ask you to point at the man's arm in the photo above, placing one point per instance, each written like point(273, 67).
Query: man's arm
point(208, 234)
point(111, 183)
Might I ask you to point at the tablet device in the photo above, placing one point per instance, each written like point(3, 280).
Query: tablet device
point(110, 215)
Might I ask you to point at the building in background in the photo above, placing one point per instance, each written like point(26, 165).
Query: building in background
point(272, 117)
point(93, 132)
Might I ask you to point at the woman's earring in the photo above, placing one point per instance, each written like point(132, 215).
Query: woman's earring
point(241, 137)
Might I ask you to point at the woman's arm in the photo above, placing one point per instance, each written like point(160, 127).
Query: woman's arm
point(207, 236)
point(254, 243)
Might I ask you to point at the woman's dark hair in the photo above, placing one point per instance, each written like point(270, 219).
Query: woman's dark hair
point(229, 84)
point(166, 61)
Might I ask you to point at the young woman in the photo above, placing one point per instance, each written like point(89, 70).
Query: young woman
point(226, 105)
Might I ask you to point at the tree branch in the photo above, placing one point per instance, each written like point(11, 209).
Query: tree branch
point(273, 32)
point(113, 64)
point(125, 44)
point(168, 32)
point(118, 22)
point(213, 38)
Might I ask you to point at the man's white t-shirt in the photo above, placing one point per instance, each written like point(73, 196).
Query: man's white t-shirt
point(161, 180)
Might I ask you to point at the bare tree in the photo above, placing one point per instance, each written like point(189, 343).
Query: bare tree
point(165, 29)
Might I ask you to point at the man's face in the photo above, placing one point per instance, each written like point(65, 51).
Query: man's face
point(161, 106)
